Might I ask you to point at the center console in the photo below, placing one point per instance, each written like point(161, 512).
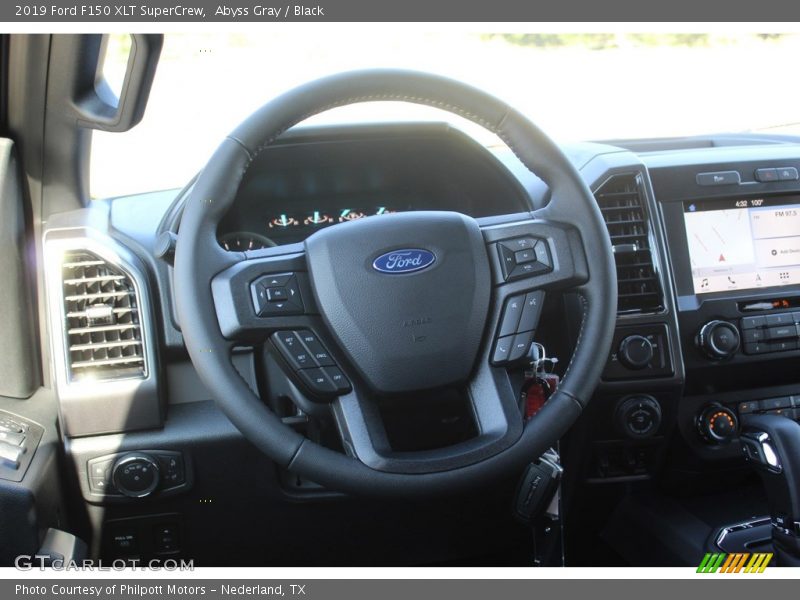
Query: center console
point(733, 233)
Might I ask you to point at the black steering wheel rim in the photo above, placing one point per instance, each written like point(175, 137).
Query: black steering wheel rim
point(199, 259)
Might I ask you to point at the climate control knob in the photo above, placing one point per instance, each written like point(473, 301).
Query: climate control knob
point(718, 339)
point(136, 475)
point(718, 424)
point(635, 352)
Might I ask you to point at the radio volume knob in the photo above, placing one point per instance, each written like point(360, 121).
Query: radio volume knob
point(718, 339)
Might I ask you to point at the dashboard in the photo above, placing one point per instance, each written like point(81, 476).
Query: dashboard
point(706, 235)
point(301, 185)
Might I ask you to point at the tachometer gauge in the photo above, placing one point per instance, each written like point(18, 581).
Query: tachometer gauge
point(317, 218)
point(242, 241)
point(282, 221)
point(350, 215)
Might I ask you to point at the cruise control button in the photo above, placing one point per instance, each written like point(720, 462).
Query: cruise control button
point(511, 316)
point(318, 352)
point(337, 377)
point(292, 350)
point(531, 311)
point(317, 381)
point(520, 346)
point(502, 350)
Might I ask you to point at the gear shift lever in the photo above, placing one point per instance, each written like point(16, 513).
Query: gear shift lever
point(772, 444)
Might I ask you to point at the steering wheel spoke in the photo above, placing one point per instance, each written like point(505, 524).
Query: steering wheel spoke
point(262, 294)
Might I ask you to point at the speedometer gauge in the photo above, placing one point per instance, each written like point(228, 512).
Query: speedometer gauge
point(242, 241)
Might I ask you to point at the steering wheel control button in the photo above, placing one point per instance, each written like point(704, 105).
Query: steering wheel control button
point(524, 257)
point(520, 346)
point(276, 295)
point(311, 361)
point(531, 311)
point(315, 348)
point(339, 380)
point(136, 475)
point(511, 316)
point(502, 350)
point(317, 381)
point(293, 350)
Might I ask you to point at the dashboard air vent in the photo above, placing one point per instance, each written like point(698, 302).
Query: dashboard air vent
point(622, 203)
point(103, 331)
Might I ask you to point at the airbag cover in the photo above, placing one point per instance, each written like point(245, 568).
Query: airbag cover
point(411, 321)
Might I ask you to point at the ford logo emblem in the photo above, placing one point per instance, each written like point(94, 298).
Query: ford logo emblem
point(406, 260)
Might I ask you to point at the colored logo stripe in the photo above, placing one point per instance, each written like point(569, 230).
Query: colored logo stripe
point(734, 563)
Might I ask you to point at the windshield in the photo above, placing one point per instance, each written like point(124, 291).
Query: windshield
point(576, 87)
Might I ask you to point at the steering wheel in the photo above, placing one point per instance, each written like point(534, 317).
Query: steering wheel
point(399, 303)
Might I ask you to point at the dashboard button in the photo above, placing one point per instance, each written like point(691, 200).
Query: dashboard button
point(531, 311)
point(755, 335)
point(753, 322)
point(757, 348)
point(317, 381)
point(780, 319)
point(774, 403)
point(783, 346)
point(13, 438)
point(787, 174)
point(719, 178)
point(766, 175)
point(783, 332)
point(502, 350)
point(749, 407)
point(511, 316)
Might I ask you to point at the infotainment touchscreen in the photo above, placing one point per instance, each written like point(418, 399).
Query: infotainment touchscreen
point(743, 244)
